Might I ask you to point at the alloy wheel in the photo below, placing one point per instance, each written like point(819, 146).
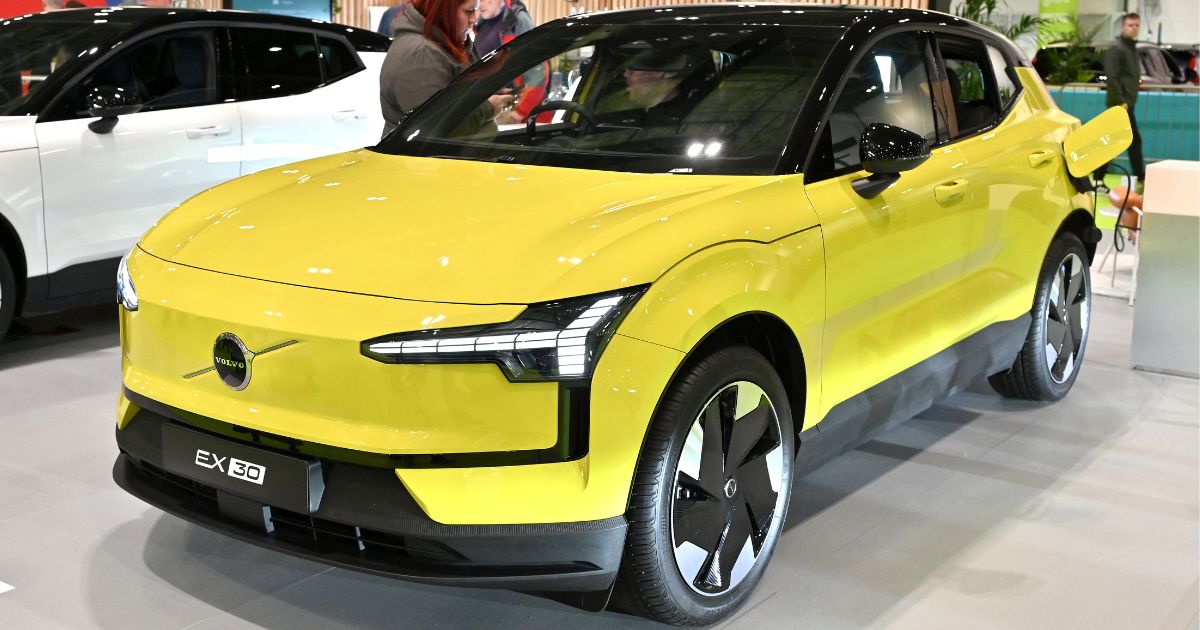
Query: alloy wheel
point(727, 489)
point(1067, 318)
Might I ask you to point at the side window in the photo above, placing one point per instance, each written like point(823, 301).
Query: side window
point(972, 83)
point(276, 62)
point(1006, 85)
point(166, 72)
point(889, 85)
point(337, 61)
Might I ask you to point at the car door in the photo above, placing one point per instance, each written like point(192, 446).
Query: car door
point(1012, 159)
point(302, 95)
point(103, 190)
point(893, 262)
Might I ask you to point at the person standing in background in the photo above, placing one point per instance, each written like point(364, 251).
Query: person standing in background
point(1123, 68)
point(500, 22)
point(387, 22)
point(430, 49)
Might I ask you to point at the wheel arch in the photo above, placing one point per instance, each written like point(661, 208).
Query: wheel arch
point(770, 336)
point(14, 251)
point(1082, 223)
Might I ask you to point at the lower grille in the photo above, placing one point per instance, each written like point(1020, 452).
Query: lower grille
point(320, 535)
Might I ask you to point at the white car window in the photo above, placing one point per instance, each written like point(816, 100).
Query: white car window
point(276, 62)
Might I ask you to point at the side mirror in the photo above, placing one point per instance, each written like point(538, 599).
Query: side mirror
point(1098, 142)
point(108, 103)
point(886, 151)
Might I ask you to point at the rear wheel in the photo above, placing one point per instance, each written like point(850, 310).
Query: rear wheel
point(8, 294)
point(711, 491)
point(1049, 361)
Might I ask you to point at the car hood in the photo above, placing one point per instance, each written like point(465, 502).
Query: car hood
point(446, 230)
point(17, 132)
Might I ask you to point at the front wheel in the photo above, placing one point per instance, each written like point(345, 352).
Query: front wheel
point(1062, 310)
point(711, 491)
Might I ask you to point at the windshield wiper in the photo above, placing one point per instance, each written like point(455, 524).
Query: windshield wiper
point(503, 159)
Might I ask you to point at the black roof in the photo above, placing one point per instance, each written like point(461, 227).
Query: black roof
point(859, 22)
point(141, 18)
point(757, 14)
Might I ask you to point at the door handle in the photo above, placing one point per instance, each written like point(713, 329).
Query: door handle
point(1038, 158)
point(348, 114)
point(195, 133)
point(950, 190)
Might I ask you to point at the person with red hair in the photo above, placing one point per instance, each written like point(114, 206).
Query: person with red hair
point(430, 49)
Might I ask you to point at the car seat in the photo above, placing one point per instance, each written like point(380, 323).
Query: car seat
point(971, 115)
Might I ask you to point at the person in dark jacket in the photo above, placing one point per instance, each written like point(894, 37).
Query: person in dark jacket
point(500, 22)
point(1123, 69)
point(387, 22)
point(430, 49)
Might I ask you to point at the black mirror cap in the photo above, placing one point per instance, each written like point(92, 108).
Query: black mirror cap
point(105, 101)
point(886, 149)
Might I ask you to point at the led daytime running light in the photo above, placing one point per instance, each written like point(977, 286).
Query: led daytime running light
point(126, 293)
point(570, 343)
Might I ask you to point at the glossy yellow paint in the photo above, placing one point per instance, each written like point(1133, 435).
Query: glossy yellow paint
point(626, 386)
point(125, 410)
point(784, 279)
point(454, 230)
point(1098, 142)
point(894, 274)
point(1019, 196)
point(739, 233)
point(337, 250)
point(322, 389)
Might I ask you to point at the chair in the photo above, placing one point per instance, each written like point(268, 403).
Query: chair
point(1129, 219)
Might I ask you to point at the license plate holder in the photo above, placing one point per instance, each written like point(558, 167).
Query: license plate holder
point(286, 481)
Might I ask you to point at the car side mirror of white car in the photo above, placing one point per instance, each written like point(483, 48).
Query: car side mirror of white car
point(885, 151)
point(1098, 142)
point(108, 103)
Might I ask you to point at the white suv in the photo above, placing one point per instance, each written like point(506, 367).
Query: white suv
point(109, 118)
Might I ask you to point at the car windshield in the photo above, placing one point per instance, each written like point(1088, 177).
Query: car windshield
point(33, 50)
point(635, 98)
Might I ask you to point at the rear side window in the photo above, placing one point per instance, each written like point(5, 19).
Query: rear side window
point(1006, 84)
point(974, 96)
point(276, 63)
point(337, 61)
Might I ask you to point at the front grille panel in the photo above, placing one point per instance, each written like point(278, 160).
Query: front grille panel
point(319, 535)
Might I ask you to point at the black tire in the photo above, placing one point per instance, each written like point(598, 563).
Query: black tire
point(1049, 361)
point(8, 295)
point(650, 582)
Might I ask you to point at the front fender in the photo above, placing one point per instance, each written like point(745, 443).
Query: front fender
point(784, 278)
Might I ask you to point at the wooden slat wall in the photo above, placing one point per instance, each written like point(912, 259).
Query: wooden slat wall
point(354, 12)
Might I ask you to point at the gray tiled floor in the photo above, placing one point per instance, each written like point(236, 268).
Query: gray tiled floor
point(979, 513)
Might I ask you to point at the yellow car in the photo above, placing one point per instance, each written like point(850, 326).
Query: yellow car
point(591, 350)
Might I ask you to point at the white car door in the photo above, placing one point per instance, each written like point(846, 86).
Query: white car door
point(303, 95)
point(103, 190)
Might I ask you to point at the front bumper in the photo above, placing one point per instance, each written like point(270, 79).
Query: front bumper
point(368, 521)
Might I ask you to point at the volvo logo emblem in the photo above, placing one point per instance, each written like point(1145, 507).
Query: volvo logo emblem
point(232, 361)
point(730, 488)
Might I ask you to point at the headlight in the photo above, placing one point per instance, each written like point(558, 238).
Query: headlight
point(126, 294)
point(551, 341)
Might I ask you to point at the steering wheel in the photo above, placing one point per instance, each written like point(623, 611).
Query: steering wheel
point(553, 106)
